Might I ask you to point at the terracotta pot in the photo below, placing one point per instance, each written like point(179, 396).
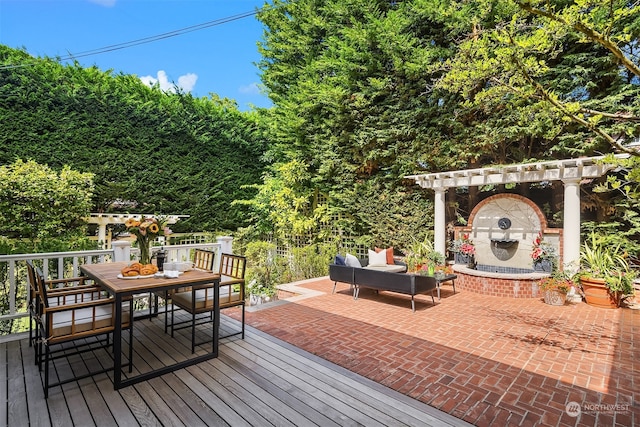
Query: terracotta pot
point(597, 294)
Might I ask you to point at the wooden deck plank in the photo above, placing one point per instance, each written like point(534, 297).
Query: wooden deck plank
point(194, 402)
point(354, 401)
point(409, 410)
point(38, 412)
point(4, 412)
point(258, 381)
point(246, 392)
point(271, 396)
point(307, 392)
point(18, 414)
point(153, 400)
point(288, 394)
point(231, 401)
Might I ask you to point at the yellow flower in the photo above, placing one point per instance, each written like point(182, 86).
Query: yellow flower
point(131, 222)
point(153, 228)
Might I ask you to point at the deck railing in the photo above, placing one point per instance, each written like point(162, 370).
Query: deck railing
point(14, 287)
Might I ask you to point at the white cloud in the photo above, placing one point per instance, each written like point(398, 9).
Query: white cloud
point(106, 3)
point(251, 89)
point(186, 82)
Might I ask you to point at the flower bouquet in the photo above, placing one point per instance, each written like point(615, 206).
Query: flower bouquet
point(146, 231)
point(543, 254)
point(463, 249)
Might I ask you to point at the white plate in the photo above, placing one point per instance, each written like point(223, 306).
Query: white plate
point(120, 276)
point(160, 275)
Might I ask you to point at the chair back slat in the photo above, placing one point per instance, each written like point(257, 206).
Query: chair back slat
point(233, 266)
point(33, 283)
point(204, 259)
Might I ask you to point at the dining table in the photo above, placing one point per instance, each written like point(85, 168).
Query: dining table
point(109, 277)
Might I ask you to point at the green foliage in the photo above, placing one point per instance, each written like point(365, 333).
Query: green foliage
point(150, 151)
point(260, 274)
point(557, 72)
point(603, 257)
point(311, 261)
point(39, 204)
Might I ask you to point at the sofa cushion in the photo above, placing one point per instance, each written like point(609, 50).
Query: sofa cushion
point(352, 261)
point(339, 260)
point(389, 268)
point(377, 259)
point(388, 252)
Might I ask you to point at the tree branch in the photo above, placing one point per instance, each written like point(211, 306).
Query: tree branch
point(615, 116)
point(592, 34)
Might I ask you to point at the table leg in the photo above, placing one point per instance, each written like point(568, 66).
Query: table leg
point(216, 314)
point(117, 344)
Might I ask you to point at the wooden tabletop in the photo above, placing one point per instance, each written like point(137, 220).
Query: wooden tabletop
point(106, 275)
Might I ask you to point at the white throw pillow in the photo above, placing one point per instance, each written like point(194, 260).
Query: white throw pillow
point(352, 261)
point(377, 259)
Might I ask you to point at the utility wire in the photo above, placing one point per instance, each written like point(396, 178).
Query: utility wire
point(145, 40)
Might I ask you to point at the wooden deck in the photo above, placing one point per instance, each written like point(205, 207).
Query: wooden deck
point(258, 381)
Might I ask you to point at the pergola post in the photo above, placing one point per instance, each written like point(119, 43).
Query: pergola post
point(571, 225)
point(439, 221)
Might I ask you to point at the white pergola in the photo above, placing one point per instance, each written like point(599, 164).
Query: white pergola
point(104, 219)
point(571, 172)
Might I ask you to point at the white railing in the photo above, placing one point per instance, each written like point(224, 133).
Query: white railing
point(14, 288)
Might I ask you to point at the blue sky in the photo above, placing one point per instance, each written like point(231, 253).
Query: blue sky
point(218, 59)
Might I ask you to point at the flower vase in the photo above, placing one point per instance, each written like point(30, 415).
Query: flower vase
point(543, 266)
point(460, 258)
point(145, 252)
point(471, 263)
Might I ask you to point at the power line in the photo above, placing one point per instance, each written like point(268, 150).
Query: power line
point(159, 36)
point(145, 40)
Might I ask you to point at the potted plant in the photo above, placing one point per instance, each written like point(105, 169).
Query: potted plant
point(463, 249)
point(544, 255)
point(605, 276)
point(417, 254)
point(555, 288)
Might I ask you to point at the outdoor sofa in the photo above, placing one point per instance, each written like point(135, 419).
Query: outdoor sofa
point(390, 278)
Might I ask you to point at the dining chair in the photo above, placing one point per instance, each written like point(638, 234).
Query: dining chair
point(69, 316)
point(58, 293)
point(200, 300)
point(203, 259)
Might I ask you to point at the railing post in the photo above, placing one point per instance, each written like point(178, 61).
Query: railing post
point(121, 250)
point(226, 244)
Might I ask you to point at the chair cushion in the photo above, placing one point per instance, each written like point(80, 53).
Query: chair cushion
point(70, 322)
point(204, 298)
point(390, 268)
point(389, 252)
point(377, 259)
point(352, 261)
point(339, 260)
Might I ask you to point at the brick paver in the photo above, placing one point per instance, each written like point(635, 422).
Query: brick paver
point(487, 360)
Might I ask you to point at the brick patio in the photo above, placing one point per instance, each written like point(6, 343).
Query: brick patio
point(484, 359)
